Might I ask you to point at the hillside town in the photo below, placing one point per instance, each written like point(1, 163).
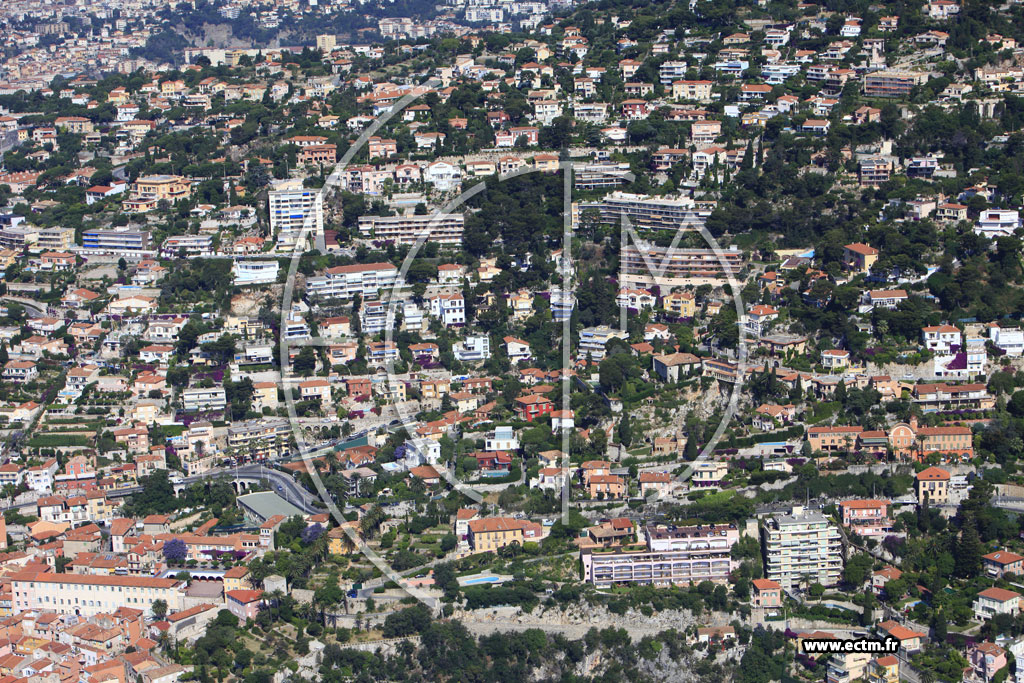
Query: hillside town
point(511, 341)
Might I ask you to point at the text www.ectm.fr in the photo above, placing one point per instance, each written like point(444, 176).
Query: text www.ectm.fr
point(819, 646)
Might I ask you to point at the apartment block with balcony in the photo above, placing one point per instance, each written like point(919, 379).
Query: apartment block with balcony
point(441, 228)
point(593, 341)
point(296, 214)
point(169, 188)
point(645, 212)
point(868, 518)
point(670, 556)
point(801, 546)
point(892, 83)
point(648, 265)
point(344, 282)
point(846, 667)
point(203, 398)
point(119, 242)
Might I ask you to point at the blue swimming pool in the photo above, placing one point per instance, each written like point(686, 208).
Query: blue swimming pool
point(480, 579)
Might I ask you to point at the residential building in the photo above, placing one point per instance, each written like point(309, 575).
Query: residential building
point(493, 533)
point(646, 212)
point(1003, 562)
point(993, 601)
point(846, 666)
point(296, 214)
point(802, 545)
point(89, 594)
point(994, 223)
point(116, 242)
point(892, 83)
point(932, 486)
point(859, 258)
point(669, 556)
point(766, 594)
point(158, 188)
point(364, 279)
point(439, 228)
point(594, 340)
point(202, 398)
point(649, 265)
point(867, 518)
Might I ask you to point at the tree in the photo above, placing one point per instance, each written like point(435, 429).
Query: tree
point(969, 549)
point(305, 362)
point(448, 543)
point(406, 622)
point(156, 496)
point(691, 449)
point(857, 568)
point(625, 431)
point(175, 551)
point(159, 608)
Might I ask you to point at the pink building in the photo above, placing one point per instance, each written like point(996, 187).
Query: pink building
point(1003, 562)
point(867, 517)
point(244, 604)
point(987, 659)
point(766, 593)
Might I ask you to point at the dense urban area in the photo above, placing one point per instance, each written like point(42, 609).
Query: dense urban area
point(511, 340)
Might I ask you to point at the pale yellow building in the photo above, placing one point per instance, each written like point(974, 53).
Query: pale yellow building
point(681, 304)
point(162, 187)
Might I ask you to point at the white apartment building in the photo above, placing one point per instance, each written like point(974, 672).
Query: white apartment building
point(591, 112)
point(562, 304)
point(450, 309)
point(294, 208)
point(86, 594)
point(803, 543)
point(472, 349)
point(672, 71)
point(997, 223)
point(376, 316)
point(1007, 339)
point(673, 556)
point(546, 111)
point(365, 279)
point(40, 477)
point(643, 211)
point(594, 339)
point(940, 338)
point(501, 439)
point(255, 272)
point(422, 451)
point(192, 246)
point(440, 228)
point(296, 327)
point(203, 398)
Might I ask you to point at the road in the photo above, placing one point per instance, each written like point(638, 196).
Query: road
point(281, 483)
point(36, 309)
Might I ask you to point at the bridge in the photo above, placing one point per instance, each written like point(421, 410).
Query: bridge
point(1011, 503)
point(242, 479)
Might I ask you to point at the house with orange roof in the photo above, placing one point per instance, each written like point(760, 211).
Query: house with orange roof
point(932, 486)
point(993, 601)
point(244, 604)
point(910, 640)
point(1003, 562)
point(493, 533)
point(859, 258)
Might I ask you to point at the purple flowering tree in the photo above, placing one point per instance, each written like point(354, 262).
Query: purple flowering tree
point(175, 551)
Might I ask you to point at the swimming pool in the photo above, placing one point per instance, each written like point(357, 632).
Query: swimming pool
point(476, 580)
